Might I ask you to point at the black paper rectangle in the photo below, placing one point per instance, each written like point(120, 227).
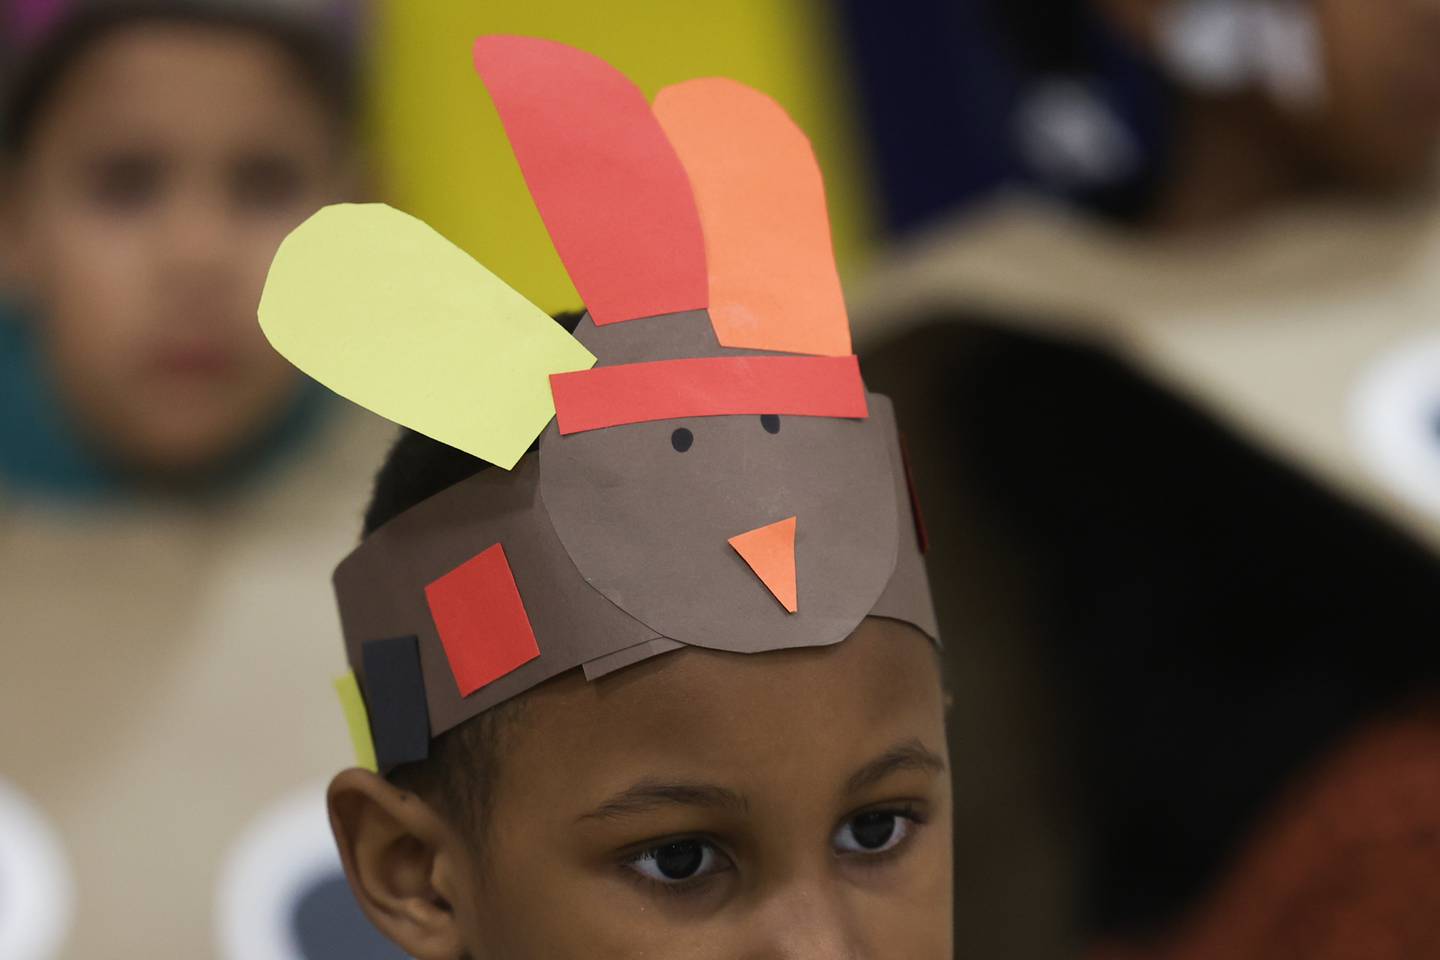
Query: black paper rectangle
point(395, 695)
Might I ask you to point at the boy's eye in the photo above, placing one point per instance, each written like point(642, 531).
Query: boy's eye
point(127, 182)
point(873, 832)
point(268, 183)
point(681, 439)
point(771, 422)
point(678, 861)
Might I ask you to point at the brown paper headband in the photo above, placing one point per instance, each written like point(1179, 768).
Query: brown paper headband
point(719, 479)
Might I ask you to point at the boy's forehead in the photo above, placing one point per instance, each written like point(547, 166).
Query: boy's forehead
point(164, 80)
point(147, 57)
point(703, 711)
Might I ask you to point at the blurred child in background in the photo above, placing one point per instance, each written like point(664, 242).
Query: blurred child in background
point(1180, 439)
point(151, 173)
point(170, 490)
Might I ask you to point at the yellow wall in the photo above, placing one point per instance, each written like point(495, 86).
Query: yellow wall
point(443, 155)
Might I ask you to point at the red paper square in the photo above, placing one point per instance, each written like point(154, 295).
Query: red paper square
point(481, 620)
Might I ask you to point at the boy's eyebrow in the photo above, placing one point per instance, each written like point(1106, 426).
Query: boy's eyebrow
point(646, 795)
point(907, 755)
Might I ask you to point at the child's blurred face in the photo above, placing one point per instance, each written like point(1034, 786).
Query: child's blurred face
point(706, 805)
point(165, 171)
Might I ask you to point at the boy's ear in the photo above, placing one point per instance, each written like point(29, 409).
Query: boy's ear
point(407, 868)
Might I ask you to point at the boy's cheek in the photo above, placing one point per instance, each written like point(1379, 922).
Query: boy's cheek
point(88, 266)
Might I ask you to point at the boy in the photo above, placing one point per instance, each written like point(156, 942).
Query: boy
point(664, 684)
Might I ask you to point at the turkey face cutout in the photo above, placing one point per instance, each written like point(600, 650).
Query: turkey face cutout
point(647, 511)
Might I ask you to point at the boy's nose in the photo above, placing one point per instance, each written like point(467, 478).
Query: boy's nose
point(807, 921)
point(770, 551)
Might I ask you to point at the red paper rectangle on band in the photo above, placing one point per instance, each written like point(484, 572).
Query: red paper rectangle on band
point(481, 620)
point(708, 386)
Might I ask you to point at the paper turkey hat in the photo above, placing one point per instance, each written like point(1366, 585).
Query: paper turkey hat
point(710, 471)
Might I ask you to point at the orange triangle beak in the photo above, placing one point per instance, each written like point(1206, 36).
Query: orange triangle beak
point(770, 551)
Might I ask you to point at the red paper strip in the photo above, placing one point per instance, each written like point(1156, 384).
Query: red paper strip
point(481, 620)
point(604, 176)
point(922, 537)
point(707, 387)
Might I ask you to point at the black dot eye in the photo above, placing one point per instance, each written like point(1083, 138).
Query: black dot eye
point(771, 422)
point(681, 439)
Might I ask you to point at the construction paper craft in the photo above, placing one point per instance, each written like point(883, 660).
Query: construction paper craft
point(604, 666)
point(381, 587)
point(396, 695)
point(772, 278)
point(708, 386)
point(907, 596)
point(617, 536)
point(671, 337)
point(646, 524)
point(383, 310)
point(770, 551)
point(481, 620)
point(921, 536)
point(603, 175)
point(357, 720)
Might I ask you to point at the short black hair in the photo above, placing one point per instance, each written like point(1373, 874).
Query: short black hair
point(459, 774)
point(462, 769)
point(322, 59)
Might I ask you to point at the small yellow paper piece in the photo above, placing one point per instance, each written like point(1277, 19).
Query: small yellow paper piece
point(383, 310)
point(357, 719)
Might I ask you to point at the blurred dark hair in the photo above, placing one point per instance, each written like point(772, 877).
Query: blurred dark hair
point(1045, 35)
point(322, 58)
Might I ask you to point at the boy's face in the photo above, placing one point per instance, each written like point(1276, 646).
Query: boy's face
point(165, 171)
point(699, 805)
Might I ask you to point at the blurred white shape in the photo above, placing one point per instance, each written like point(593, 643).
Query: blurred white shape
point(1395, 416)
point(1068, 136)
point(283, 853)
point(1204, 43)
point(1289, 53)
point(1219, 47)
point(37, 891)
